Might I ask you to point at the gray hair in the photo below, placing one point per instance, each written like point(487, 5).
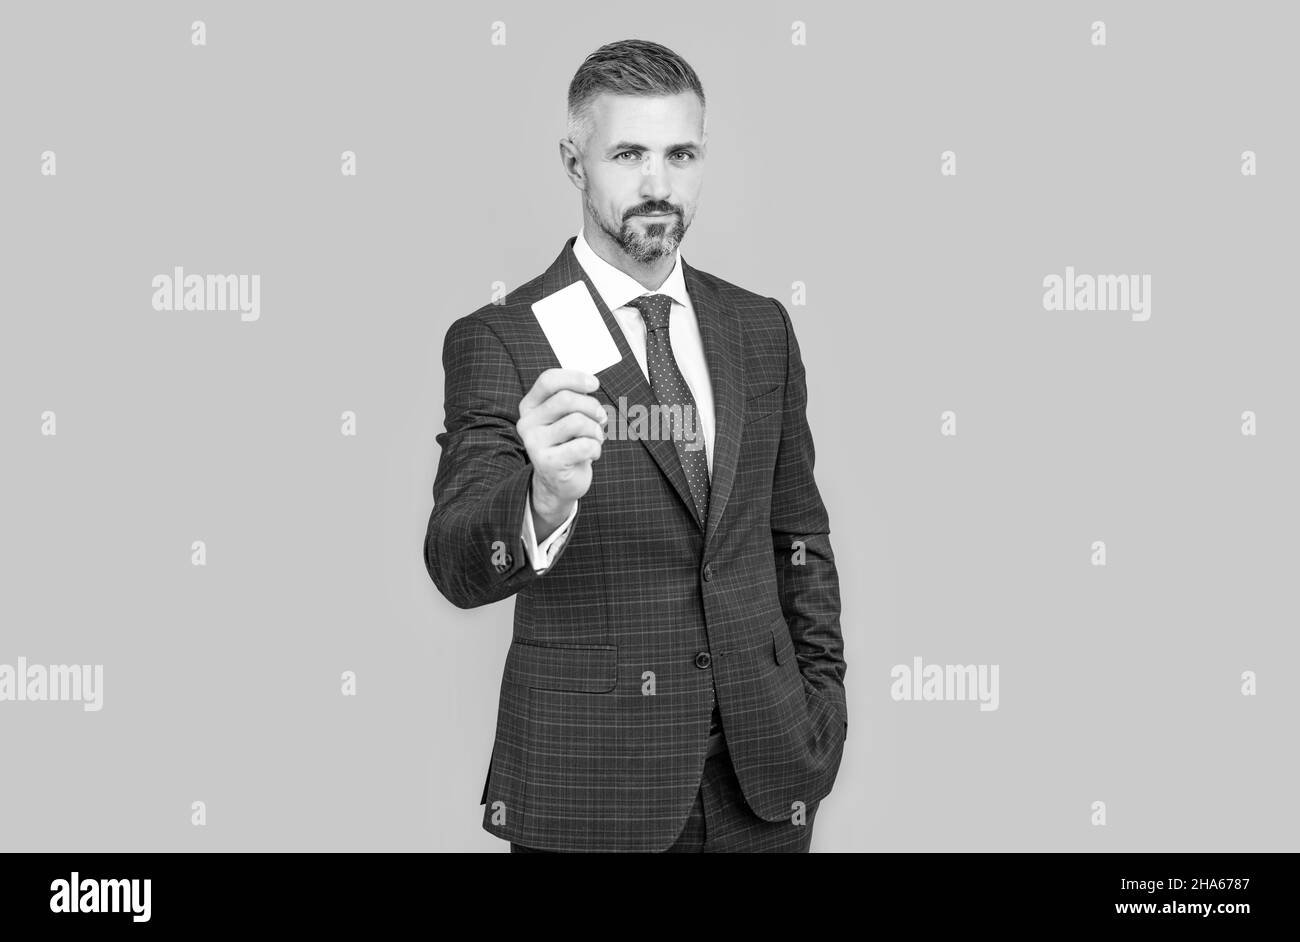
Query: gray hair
point(626, 67)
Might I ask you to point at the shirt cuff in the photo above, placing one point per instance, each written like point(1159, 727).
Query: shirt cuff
point(540, 556)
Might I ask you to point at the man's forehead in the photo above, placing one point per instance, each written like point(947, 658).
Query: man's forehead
point(668, 115)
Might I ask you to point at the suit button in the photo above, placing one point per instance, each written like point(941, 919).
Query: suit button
point(708, 571)
point(703, 660)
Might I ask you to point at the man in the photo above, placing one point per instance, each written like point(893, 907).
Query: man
point(675, 680)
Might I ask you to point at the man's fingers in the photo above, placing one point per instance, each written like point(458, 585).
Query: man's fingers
point(552, 381)
point(564, 402)
point(573, 425)
point(577, 450)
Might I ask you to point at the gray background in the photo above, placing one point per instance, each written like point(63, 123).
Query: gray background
point(1118, 684)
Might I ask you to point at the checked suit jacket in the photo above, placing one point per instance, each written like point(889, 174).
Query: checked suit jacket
point(646, 613)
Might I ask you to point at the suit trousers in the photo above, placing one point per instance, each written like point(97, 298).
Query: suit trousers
point(722, 822)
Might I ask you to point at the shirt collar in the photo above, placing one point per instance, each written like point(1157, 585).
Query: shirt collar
point(615, 287)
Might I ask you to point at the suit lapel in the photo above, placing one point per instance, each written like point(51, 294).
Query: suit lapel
point(725, 353)
point(723, 349)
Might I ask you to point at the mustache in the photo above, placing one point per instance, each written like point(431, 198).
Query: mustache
point(643, 210)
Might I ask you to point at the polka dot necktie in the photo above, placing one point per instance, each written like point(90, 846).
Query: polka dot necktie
point(671, 390)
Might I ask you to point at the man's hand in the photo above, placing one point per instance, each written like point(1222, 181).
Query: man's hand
point(562, 427)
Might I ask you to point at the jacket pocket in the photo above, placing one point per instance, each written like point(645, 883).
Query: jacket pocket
point(782, 646)
point(585, 668)
point(764, 404)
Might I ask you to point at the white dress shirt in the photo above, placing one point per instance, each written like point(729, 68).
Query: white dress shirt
point(616, 289)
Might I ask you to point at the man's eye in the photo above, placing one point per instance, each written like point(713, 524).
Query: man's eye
point(687, 153)
point(625, 153)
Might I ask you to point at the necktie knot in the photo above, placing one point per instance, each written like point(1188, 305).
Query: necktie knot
point(654, 309)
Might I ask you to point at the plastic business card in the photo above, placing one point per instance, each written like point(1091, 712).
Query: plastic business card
point(575, 329)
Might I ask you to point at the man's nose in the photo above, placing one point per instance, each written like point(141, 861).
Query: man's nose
point(654, 182)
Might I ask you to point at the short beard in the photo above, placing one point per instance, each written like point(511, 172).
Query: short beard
point(653, 246)
point(650, 248)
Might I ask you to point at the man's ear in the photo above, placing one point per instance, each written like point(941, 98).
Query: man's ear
point(571, 160)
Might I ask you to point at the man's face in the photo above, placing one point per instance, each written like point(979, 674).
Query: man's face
point(644, 165)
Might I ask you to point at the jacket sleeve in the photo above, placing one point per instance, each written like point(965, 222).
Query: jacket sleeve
point(473, 548)
point(805, 564)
